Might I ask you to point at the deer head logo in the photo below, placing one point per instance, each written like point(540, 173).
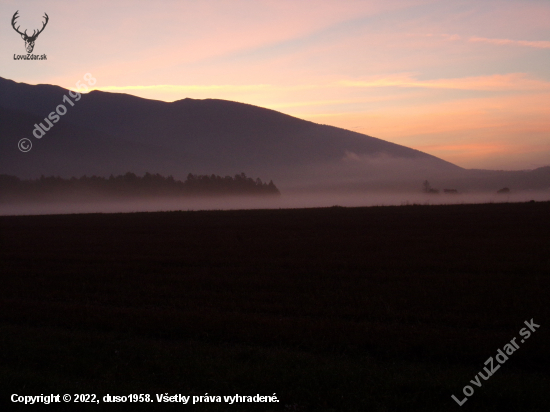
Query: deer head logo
point(29, 40)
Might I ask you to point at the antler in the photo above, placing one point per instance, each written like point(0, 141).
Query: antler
point(34, 36)
point(34, 33)
point(15, 16)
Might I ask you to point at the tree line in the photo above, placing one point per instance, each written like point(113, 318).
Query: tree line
point(130, 184)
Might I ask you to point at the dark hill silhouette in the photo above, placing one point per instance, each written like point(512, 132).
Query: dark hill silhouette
point(201, 135)
point(250, 132)
point(108, 133)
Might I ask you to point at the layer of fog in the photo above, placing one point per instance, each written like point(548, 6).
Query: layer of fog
point(285, 201)
point(353, 181)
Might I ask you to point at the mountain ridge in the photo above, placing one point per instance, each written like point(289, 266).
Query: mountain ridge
point(108, 133)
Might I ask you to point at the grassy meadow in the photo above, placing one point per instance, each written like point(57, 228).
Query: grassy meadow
point(333, 309)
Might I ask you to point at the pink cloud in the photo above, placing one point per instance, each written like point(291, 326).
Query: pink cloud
point(525, 43)
point(496, 82)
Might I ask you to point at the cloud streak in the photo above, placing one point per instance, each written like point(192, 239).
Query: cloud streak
point(540, 44)
point(537, 44)
point(496, 82)
point(176, 88)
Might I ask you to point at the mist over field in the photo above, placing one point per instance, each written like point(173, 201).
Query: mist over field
point(288, 200)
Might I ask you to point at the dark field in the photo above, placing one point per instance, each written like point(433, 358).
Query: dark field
point(335, 309)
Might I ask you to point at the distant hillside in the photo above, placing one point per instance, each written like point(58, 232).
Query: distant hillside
point(108, 133)
point(130, 186)
point(111, 133)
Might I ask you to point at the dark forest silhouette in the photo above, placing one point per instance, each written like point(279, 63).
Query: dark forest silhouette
point(131, 185)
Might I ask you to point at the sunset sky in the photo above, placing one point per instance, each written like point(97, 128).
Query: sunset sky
point(467, 81)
